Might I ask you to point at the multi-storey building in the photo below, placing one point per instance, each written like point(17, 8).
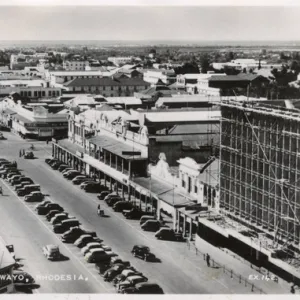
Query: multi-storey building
point(75, 65)
point(33, 89)
point(260, 178)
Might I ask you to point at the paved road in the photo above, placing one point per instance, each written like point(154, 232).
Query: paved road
point(25, 230)
point(175, 273)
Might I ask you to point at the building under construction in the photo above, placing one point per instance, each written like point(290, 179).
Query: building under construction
point(260, 170)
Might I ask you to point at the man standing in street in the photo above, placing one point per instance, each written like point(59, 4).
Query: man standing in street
point(208, 260)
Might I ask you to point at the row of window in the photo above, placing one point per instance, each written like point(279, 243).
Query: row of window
point(39, 93)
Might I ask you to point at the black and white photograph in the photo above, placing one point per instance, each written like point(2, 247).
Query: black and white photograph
point(149, 148)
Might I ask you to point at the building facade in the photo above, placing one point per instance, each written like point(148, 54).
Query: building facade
point(259, 171)
point(107, 86)
point(75, 65)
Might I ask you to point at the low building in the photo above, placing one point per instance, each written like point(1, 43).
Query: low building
point(118, 61)
point(107, 86)
point(61, 77)
point(34, 121)
point(153, 76)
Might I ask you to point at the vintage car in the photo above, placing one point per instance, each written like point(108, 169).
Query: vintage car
point(51, 252)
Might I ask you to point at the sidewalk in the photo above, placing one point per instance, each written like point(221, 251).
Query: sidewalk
point(261, 281)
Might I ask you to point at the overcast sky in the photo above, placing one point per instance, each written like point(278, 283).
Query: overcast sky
point(149, 23)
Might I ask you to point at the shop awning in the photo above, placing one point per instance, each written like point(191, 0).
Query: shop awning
point(163, 191)
point(120, 149)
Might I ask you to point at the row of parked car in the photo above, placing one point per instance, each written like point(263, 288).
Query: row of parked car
point(125, 277)
point(23, 185)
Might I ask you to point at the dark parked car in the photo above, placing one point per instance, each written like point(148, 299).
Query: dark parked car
point(134, 213)
point(22, 278)
point(113, 200)
point(65, 225)
point(84, 239)
point(121, 205)
point(51, 214)
point(50, 160)
point(17, 181)
point(72, 175)
point(55, 165)
point(62, 167)
point(102, 195)
point(74, 233)
point(112, 272)
point(50, 206)
point(142, 252)
point(168, 234)
point(144, 288)
point(79, 179)
point(94, 188)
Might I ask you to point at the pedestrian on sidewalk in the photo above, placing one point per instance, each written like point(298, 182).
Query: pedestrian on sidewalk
point(1, 191)
point(20, 153)
point(23, 152)
point(208, 260)
point(293, 289)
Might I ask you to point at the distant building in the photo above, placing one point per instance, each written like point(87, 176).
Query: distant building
point(32, 89)
point(34, 121)
point(153, 76)
point(117, 61)
point(75, 65)
point(107, 86)
point(61, 77)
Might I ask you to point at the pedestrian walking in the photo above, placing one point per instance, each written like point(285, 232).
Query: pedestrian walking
point(293, 289)
point(208, 260)
point(1, 191)
point(20, 153)
point(23, 152)
point(47, 141)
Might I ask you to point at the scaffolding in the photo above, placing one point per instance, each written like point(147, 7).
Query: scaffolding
point(260, 171)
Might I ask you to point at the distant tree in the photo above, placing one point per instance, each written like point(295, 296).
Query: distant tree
point(187, 68)
point(152, 51)
point(229, 56)
point(204, 63)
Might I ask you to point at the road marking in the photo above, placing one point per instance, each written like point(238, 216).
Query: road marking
point(56, 236)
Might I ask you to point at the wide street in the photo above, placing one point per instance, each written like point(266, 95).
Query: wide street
point(19, 225)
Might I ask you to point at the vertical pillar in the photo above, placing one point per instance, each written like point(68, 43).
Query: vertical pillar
point(53, 150)
point(158, 209)
point(123, 165)
point(123, 191)
point(104, 179)
point(178, 221)
point(191, 230)
point(110, 183)
point(129, 192)
point(184, 224)
point(129, 168)
point(140, 198)
point(175, 220)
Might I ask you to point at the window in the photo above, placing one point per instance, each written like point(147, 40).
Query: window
point(183, 183)
point(111, 88)
point(35, 93)
point(43, 93)
point(196, 189)
point(50, 93)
